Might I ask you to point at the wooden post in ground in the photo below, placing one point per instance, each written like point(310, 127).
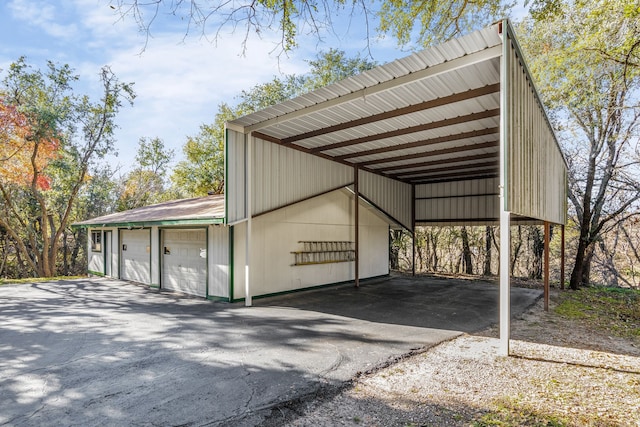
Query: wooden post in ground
point(562, 257)
point(547, 230)
point(356, 213)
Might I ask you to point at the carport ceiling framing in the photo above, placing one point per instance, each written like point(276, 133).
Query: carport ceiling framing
point(408, 120)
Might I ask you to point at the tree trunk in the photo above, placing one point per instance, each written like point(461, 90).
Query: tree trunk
point(434, 256)
point(487, 251)
point(5, 253)
point(466, 251)
point(535, 267)
point(582, 267)
point(516, 250)
point(65, 254)
point(394, 253)
point(79, 242)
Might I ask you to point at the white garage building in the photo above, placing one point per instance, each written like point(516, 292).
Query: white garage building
point(455, 134)
point(184, 245)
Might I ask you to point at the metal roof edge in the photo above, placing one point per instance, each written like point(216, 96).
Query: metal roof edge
point(201, 221)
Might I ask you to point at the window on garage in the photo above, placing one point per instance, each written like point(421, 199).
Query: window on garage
point(96, 241)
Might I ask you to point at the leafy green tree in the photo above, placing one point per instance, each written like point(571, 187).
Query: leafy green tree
point(74, 132)
point(146, 183)
point(153, 156)
point(202, 172)
point(426, 22)
point(584, 57)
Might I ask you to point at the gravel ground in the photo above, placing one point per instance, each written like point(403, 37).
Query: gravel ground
point(560, 373)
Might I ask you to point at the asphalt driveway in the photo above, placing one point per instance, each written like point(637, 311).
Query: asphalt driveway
point(104, 352)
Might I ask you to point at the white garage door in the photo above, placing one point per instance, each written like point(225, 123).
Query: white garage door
point(135, 250)
point(184, 261)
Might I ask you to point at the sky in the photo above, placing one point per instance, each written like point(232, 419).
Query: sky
point(179, 80)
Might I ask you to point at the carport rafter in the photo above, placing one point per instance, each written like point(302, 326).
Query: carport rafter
point(461, 167)
point(388, 169)
point(408, 130)
point(473, 175)
point(458, 149)
point(421, 143)
point(464, 167)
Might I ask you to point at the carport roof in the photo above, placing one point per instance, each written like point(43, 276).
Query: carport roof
point(201, 210)
point(430, 117)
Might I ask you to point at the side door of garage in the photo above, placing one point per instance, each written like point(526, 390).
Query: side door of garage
point(135, 255)
point(184, 261)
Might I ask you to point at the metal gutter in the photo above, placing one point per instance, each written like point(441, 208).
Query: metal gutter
point(146, 224)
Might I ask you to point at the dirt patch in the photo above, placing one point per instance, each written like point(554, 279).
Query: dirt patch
point(562, 372)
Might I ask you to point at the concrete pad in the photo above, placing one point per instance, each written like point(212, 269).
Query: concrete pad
point(104, 352)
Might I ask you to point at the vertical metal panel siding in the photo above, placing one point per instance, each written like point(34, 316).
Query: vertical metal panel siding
point(218, 247)
point(282, 176)
point(458, 200)
point(393, 197)
point(536, 168)
point(235, 173)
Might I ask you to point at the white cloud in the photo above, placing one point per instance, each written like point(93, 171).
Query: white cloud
point(180, 85)
point(49, 18)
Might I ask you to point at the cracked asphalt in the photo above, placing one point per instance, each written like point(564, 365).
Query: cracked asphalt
point(94, 352)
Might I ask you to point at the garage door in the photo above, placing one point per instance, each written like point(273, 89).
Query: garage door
point(184, 261)
point(135, 252)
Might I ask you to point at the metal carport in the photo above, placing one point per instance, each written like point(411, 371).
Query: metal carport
point(454, 134)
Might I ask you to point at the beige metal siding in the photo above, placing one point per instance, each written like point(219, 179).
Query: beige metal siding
point(235, 176)
point(282, 176)
point(277, 234)
point(391, 196)
point(218, 256)
point(536, 170)
point(460, 202)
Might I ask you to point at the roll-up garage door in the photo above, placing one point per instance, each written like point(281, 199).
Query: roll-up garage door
point(184, 261)
point(135, 252)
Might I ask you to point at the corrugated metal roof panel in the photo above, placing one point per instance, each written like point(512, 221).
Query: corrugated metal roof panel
point(201, 208)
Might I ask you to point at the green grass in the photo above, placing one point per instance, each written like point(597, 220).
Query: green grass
point(614, 309)
point(37, 279)
point(515, 418)
point(510, 413)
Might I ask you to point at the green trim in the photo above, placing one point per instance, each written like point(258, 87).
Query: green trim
point(107, 256)
point(160, 249)
point(220, 299)
point(151, 259)
point(119, 254)
point(206, 279)
point(148, 224)
point(95, 273)
point(104, 252)
point(310, 288)
point(231, 262)
point(154, 286)
point(226, 173)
